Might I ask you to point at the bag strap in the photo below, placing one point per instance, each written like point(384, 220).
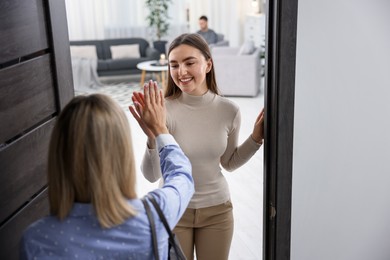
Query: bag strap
point(178, 252)
point(161, 215)
point(152, 228)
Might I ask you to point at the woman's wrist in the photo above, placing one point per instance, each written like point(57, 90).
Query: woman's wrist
point(151, 143)
point(257, 140)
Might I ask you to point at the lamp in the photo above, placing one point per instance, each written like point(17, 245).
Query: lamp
point(255, 6)
point(255, 3)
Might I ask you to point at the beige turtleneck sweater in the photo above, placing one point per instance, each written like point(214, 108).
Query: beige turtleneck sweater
point(207, 129)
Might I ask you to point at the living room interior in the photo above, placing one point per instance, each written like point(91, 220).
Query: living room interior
point(242, 24)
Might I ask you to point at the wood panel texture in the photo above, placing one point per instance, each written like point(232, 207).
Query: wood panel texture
point(23, 173)
point(35, 84)
point(26, 96)
point(11, 232)
point(60, 42)
point(23, 30)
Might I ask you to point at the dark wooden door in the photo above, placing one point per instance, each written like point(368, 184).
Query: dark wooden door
point(35, 84)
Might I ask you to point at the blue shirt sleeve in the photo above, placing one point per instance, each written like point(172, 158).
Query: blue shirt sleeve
point(174, 196)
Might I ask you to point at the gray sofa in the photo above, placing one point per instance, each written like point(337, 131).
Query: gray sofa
point(220, 42)
point(107, 66)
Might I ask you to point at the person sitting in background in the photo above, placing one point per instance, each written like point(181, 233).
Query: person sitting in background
point(95, 212)
point(209, 35)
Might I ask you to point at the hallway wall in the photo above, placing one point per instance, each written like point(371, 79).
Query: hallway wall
point(341, 170)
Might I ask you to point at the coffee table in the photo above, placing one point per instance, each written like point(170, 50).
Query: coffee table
point(152, 66)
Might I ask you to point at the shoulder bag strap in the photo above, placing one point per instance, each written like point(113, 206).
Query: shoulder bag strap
point(161, 215)
point(174, 243)
point(152, 228)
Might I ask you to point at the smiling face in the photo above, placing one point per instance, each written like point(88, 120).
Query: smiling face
point(188, 69)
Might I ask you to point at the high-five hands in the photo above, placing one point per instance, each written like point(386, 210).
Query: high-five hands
point(149, 110)
point(258, 129)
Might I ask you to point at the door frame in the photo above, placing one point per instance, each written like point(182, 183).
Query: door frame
point(281, 32)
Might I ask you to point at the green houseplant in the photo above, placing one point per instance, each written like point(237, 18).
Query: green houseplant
point(158, 16)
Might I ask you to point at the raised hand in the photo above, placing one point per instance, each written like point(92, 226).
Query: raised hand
point(258, 129)
point(149, 110)
point(138, 100)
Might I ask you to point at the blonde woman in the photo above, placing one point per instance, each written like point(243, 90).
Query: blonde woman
point(95, 212)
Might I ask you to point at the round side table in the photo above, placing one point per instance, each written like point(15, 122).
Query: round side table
point(152, 66)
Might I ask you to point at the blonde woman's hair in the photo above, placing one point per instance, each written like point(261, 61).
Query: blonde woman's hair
point(91, 160)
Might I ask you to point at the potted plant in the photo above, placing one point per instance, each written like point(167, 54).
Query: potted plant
point(158, 21)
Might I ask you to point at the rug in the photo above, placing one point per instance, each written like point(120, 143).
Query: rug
point(121, 93)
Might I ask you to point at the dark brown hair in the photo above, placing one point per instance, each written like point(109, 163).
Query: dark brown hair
point(203, 17)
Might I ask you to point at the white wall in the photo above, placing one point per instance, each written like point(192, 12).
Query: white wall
point(341, 165)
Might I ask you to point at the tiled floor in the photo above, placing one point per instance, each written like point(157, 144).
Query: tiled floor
point(246, 183)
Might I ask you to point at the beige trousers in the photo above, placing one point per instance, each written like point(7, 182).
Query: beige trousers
point(208, 230)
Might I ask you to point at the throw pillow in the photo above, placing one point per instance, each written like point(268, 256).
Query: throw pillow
point(125, 51)
point(83, 51)
point(247, 48)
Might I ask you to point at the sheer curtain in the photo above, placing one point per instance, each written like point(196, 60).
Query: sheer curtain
point(102, 19)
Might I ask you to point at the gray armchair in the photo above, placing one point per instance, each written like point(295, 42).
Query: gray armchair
point(237, 74)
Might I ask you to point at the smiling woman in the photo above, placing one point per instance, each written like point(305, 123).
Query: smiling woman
point(193, 105)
